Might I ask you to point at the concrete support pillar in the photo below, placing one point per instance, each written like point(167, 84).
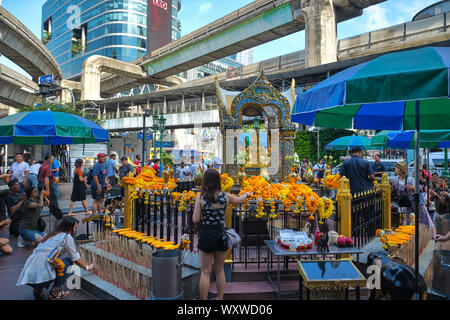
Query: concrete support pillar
point(118, 111)
point(165, 106)
point(183, 105)
point(321, 34)
point(203, 101)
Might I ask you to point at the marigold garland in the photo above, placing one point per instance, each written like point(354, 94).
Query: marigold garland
point(148, 180)
point(331, 181)
point(226, 182)
point(302, 196)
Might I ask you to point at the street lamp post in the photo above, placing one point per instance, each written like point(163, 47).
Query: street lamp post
point(162, 127)
point(144, 136)
point(155, 130)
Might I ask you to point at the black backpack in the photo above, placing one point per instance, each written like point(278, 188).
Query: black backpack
point(89, 177)
point(320, 174)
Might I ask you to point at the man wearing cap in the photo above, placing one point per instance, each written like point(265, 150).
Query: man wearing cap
point(137, 162)
point(358, 172)
point(98, 183)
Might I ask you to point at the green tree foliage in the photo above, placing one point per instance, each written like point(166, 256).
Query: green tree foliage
point(306, 143)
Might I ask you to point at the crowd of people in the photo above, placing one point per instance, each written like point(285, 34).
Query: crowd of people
point(33, 186)
point(434, 195)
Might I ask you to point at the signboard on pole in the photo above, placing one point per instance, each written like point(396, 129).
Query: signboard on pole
point(148, 136)
point(46, 79)
point(87, 150)
point(165, 144)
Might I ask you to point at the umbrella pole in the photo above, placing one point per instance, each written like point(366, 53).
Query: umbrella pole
point(428, 179)
point(416, 199)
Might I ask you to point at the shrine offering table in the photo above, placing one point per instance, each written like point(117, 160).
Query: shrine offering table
point(280, 252)
point(329, 275)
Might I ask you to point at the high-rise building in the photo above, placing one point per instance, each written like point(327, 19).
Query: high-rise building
point(245, 57)
point(76, 29)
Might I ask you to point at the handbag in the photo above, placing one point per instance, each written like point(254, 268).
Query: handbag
point(233, 238)
point(56, 252)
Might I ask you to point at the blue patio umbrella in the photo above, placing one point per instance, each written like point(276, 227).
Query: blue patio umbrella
point(428, 139)
point(406, 139)
point(405, 90)
point(50, 128)
point(349, 142)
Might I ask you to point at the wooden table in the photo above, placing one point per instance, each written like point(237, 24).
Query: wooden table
point(327, 274)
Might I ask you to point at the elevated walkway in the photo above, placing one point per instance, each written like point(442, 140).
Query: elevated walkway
point(20, 45)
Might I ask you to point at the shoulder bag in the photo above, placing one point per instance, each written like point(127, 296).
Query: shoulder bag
point(233, 238)
point(56, 252)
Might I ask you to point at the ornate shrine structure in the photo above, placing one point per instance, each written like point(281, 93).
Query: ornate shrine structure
point(261, 100)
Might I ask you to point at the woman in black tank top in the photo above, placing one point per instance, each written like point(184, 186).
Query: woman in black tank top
point(209, 211)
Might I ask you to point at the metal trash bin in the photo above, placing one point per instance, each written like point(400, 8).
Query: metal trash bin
point(441, 272)
point(166, 275)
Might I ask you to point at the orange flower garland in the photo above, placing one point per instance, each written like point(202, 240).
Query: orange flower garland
point(331, 181)
point(226, 182)
point(264, 192)
point(148, 180)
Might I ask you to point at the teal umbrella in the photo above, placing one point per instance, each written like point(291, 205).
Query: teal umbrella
point(349, 142)
point(405, 90)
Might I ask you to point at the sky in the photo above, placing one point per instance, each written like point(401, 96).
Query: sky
point(195, 14)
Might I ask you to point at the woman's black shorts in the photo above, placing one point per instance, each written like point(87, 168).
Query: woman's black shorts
point(212, 238)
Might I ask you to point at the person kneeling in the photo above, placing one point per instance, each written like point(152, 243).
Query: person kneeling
point(29, 229)
point(39, 273)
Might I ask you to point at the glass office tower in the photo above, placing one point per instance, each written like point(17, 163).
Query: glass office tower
point(76, 29)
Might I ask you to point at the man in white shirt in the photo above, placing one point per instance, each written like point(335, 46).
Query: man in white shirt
point(20, 170)
point(319, 169)
point(34, 172)
point(184, 172)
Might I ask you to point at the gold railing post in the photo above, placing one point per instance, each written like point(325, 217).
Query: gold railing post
point(228, 217)
point(386, 193)
point(344, 201)
point(128, 212)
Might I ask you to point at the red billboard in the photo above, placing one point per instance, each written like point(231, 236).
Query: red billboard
point(159, 22)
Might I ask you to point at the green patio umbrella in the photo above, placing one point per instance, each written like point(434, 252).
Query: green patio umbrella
point(405, 90)
point(50, 128)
